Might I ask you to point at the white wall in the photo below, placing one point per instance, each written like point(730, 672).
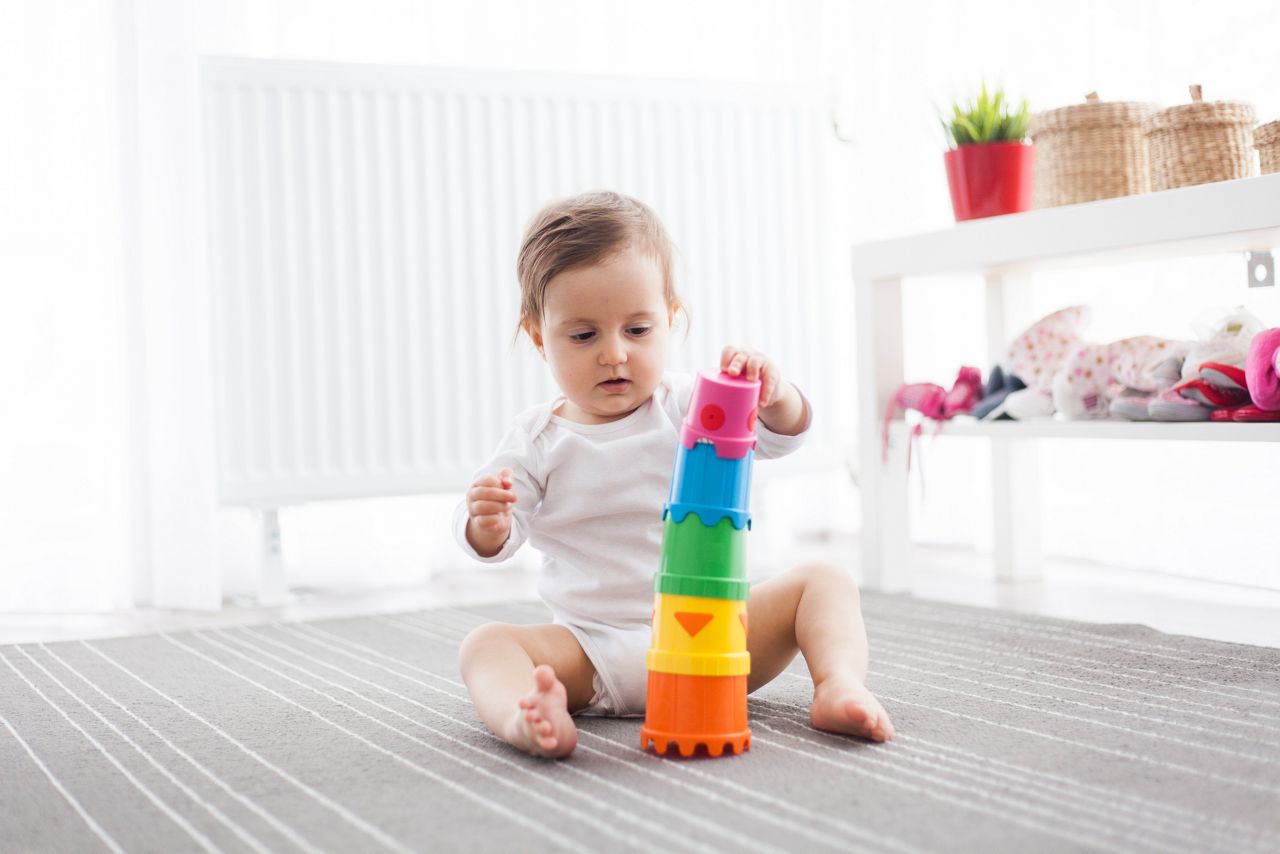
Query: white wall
point(103, 203)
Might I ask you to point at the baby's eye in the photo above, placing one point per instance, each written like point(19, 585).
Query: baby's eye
point(639, 330)
point(581, 336)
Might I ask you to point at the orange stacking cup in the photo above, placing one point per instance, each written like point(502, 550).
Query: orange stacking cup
point(696, 710)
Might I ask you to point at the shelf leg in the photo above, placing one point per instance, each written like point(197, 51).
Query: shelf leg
point(882, 484)
point(1015, 470)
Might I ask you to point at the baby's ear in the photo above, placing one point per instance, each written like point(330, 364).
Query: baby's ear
point(535, 335)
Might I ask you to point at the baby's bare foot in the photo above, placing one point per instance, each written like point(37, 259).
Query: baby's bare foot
point(843, 704)
point(542, 724)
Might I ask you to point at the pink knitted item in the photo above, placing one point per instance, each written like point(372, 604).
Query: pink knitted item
point(1262, 370)
point(934, 402)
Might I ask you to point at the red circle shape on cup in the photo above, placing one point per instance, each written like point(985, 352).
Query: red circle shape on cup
point(751, 419)
point(712, 417)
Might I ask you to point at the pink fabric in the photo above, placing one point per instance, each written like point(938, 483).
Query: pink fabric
point(1081, 388)
point(1260, 370)
point(933, 401)
point(1040, 352)
point(1095, 374)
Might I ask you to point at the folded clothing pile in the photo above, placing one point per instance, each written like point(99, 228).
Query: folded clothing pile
point(1230, 372)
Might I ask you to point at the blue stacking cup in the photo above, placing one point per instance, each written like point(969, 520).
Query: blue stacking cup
point(710, 486)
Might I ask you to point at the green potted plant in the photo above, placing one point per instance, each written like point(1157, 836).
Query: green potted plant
point(990, 166)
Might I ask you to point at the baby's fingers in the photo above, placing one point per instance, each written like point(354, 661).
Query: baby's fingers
point(491, 493)
point(768, 386)
point(492, 522)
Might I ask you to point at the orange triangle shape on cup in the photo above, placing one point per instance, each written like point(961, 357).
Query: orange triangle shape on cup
point(692, 621)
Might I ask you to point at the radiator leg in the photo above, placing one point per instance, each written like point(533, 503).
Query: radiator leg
point(271, 582)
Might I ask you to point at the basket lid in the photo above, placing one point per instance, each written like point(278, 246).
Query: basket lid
point(1093, 113)
point(1267, 134)
point(1201, 114)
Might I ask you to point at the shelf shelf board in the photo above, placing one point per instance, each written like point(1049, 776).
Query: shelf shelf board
point(1049, 428)
point(1228, 216)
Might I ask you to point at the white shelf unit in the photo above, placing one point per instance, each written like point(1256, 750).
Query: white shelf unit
point(1231, 216)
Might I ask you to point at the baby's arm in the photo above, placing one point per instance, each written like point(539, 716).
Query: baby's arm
point(489, 503)
point(782, 407)
point(492, 520)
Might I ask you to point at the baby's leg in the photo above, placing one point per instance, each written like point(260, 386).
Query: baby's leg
point(526, 681)
point(815, 610)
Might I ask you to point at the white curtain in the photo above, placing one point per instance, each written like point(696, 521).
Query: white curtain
point(107, 478)
point(65, 507)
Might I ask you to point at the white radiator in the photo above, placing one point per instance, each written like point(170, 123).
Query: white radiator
point(364, 227)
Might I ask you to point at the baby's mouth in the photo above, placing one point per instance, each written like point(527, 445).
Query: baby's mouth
point(615, 384)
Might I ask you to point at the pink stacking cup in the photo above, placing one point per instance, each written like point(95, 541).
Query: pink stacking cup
point(723, 411)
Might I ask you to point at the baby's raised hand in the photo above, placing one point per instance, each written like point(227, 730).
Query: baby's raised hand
point(489, 502)
point(752, 365)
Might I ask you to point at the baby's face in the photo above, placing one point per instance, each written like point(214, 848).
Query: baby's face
point(604, 333)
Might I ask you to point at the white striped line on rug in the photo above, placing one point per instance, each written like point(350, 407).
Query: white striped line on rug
point(1085, 818)
point(75, 804)
point(1015, 734)
point(852, 831)
point(1030, 823)
point(1221, 689)
point(936, 644)
point(181, 821)
point(311, 792)
point(1118, 808)
point(534, 774)
point(469, 620)
point(252, 806)
point(465, 703)
point(903, 650)
point(239, 831)
point(537, 828)
point(457, 624)
point(1038, 626)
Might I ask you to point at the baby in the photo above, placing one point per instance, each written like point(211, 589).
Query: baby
point(583, 478)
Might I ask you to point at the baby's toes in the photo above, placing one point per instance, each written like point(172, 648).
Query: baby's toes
point(860, 714)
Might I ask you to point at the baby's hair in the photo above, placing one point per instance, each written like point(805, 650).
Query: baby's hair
point(584, 230)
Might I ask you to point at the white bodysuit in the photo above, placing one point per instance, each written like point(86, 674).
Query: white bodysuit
point(589, 499)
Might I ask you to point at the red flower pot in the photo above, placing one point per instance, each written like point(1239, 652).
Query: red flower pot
point(990, 178)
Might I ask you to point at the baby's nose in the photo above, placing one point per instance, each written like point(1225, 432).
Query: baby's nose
point(614, 352)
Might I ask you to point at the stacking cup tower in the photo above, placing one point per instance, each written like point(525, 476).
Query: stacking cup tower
point(698, 661)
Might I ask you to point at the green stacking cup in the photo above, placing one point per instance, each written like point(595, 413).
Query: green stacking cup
point(701, 560)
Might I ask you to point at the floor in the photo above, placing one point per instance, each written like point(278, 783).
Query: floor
point(1071, 590)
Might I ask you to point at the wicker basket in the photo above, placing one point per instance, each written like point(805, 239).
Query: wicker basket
point(1200, 142)
point(1090, 151)
point(1266, 138)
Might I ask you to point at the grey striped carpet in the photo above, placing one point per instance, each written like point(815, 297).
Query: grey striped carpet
point(1015, 734)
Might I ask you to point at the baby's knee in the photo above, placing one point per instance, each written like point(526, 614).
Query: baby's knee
point(484, 639)
point(826, 575)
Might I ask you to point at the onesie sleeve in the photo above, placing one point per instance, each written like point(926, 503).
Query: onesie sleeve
point(516, 451)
